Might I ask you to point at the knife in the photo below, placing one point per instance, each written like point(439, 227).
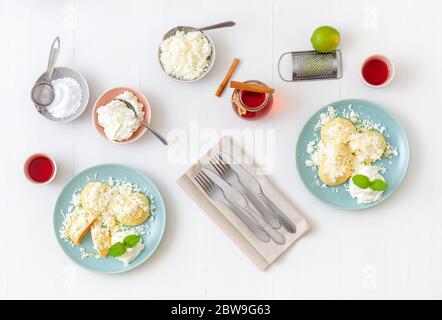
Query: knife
point(238, 198)
point(249, 182)
point(267, 214)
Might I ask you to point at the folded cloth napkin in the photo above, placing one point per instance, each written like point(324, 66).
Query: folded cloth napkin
point(261, 253)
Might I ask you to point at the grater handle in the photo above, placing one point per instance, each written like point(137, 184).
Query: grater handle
point(339, 72)
point(279, 67)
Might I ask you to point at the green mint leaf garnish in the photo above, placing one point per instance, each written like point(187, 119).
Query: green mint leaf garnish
point(131, 240)
point(378, 185)
point(361, 181)
point(117, 249)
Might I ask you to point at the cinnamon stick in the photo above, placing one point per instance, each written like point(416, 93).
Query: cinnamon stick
point(250, 87)
point(226, 79)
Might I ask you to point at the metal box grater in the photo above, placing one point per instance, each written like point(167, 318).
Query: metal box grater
point(312, 65)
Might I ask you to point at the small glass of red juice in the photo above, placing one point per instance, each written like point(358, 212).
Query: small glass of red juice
point(377, 71)
point(40, 168)
point(252, 105)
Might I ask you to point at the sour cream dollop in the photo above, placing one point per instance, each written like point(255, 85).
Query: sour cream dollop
point(118, 121)
point(366, 195)
point(131, 253)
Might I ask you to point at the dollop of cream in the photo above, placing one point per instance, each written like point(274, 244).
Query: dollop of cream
point(131, 253)
point(118, 121)
point(366, 195)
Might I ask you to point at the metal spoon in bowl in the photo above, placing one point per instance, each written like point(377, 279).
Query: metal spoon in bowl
point(190, 29)
point(216, 26)
point(42, 93)
point(131, 107)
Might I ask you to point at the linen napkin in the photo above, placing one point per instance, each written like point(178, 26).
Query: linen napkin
point(261, 253)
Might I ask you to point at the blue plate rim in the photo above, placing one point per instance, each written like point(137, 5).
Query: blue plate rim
point(406, 144)
point(130, 267)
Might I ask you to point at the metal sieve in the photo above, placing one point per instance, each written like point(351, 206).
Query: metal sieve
point(42, 93)
point(59, 73)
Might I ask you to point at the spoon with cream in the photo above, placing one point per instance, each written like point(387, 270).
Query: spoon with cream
point(148, 127)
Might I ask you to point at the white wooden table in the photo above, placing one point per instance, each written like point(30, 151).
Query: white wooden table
point(391, 251)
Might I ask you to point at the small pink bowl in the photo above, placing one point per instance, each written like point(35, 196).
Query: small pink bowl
point(390, 66)
point(107, 97)
point(28, 162)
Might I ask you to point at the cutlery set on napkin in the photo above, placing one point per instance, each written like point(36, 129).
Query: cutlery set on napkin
point(249, 210)
point(236, 187)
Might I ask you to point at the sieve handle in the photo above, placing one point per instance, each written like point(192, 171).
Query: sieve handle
point(53, 54)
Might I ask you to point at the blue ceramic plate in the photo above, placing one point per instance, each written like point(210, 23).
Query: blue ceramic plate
point(154, 226)
point(396, 167)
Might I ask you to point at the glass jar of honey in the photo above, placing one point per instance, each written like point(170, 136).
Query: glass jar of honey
point(252, 105)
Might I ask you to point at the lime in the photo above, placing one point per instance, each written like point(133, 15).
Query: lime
point(325, 39)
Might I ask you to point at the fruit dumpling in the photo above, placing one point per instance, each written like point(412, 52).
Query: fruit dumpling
point(337, 131)
point(79, 224)
point(367, 146)
point(131, 210)
point(336, 164)
point(101, 237)
point(94, 196)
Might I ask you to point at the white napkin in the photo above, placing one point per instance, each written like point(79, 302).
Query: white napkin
point(261, 253)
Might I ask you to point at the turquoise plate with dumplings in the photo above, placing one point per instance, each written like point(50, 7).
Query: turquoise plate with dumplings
point(395, 166)
point(153, 227)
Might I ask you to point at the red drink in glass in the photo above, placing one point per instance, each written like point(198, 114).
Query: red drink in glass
point(252, 105)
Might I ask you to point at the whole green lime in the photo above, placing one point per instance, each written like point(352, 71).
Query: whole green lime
point(325, 39)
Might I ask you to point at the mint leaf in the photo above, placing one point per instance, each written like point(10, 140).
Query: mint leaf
point(117, 249)
point(361, 181)
point(131, 240)
point(378, 185)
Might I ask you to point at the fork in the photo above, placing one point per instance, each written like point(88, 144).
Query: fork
point(231, 177)
point(257, 194)
point(214, 192)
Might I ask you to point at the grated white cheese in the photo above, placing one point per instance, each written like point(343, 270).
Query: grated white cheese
point(311, 147)
point(186, 56)
point(351, 115)
point(87, 254)
point(391, 151)
point(309, 163)
point(369, 125)
point(326, 117)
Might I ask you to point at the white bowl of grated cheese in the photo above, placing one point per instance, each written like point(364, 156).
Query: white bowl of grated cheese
point(186, 55)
